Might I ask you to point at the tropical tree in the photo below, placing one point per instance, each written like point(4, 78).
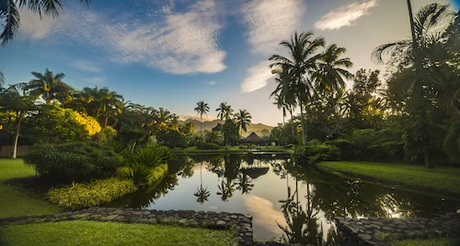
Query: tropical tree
point(225, 111)
point(50, 86)
point(330, 73)
point(243, 120)
point(300, 64)
point(10, 14)
point(202, 108)
point(424, 78)
point(17, 99)
point(202, 194)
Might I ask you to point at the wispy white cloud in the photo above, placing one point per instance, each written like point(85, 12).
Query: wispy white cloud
point(270, 21)
point(345, 15)
point(211, 83)
point(32, 26)
point(86, 66)
point(96, 80)
point(176, 43)
point(257, 77)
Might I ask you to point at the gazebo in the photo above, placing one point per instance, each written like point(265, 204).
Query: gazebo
point(253, 139)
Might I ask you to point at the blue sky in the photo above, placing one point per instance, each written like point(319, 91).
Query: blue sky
point(174, 53)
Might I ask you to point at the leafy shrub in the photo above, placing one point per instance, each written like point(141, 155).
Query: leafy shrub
point(77, 161)
point(97, 192)
point(315, 152)
point(205, 145)
point(147, 165)
point(106, 135)
point(345, 147)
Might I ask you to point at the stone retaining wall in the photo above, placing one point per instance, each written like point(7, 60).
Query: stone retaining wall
point(240, 223)
point(364, 232)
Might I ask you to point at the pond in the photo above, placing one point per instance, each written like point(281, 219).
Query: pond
point(284, 201)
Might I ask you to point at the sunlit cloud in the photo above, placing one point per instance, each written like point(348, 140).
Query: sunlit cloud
point(176, 43)
point(32, 26)
point(268, 22)
point(211, 83)
point(96, 80)
point(264, 214)
point(86, 66)
point(257, 77)
point(345, 15)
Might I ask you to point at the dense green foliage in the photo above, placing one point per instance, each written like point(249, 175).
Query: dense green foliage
point(147, 165)
point(443, 178)
point(93, 233)
point(53, 124)
point(314, 152)
point(97, 192)
point(77, 161)
point(19, 202)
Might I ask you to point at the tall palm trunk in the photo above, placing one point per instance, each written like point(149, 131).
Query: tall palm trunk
point(304, 126)
point(418, 93)
point(201, 127)
point(292, 127)
point(16, 135)
point(106, 120)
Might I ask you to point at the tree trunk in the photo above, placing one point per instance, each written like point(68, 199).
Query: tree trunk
point(106, 121)
point(427, 157)
point(304, 130)
point(16, 135)
point(292, 127)
point(201, 120)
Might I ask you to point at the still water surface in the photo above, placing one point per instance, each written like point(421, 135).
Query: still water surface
point(278, 195)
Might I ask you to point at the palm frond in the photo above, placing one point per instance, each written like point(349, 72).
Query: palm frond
point(10, 15)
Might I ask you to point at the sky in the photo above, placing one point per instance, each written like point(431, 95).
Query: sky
point(174, 53)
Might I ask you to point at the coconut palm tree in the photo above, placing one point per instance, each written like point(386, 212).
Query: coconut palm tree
point(300, 65)
point(110, 103)
point(50, 86)
point(331, 71)
point(202, 108)
point(202, 194)
point(225, 111)
point(9, 14)
point(243, 120)
point(17, 98)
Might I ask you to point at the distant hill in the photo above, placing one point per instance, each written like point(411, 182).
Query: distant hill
point(208, 125)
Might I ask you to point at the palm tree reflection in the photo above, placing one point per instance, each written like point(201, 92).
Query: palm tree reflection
point(202, 194)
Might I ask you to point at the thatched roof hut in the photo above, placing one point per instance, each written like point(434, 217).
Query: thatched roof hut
point(255, 172)
point(253, 139)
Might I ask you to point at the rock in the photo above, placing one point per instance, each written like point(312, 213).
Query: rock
point(365, 237)
point(110, 217)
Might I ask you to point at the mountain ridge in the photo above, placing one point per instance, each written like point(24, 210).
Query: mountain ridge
point(258, 128)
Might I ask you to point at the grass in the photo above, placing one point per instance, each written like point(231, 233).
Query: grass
point(92, 233)
point(441, 178)
point(421, 242)
point(16, 202)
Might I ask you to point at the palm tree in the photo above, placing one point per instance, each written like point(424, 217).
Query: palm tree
point(17, 98)
point(110, 103)
point(202, 194)
point(50, 86)
point(330, 73)
point(2, 78)
point(243, 120)
point(225, 111)
point(419, 70)
point(300, 65)
point(202, 108)
point(9, 14)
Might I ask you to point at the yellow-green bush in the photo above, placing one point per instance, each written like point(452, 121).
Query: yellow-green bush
point(78, 196)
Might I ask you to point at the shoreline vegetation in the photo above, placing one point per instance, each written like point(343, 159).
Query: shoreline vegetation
point(235, 150)
point(444, 180)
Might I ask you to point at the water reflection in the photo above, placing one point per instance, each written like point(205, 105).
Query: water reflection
point(287, 202)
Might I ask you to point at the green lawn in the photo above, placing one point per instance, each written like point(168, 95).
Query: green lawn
point(440, 178)
point(421, 242)
point(16, 202)
point(92, 233)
